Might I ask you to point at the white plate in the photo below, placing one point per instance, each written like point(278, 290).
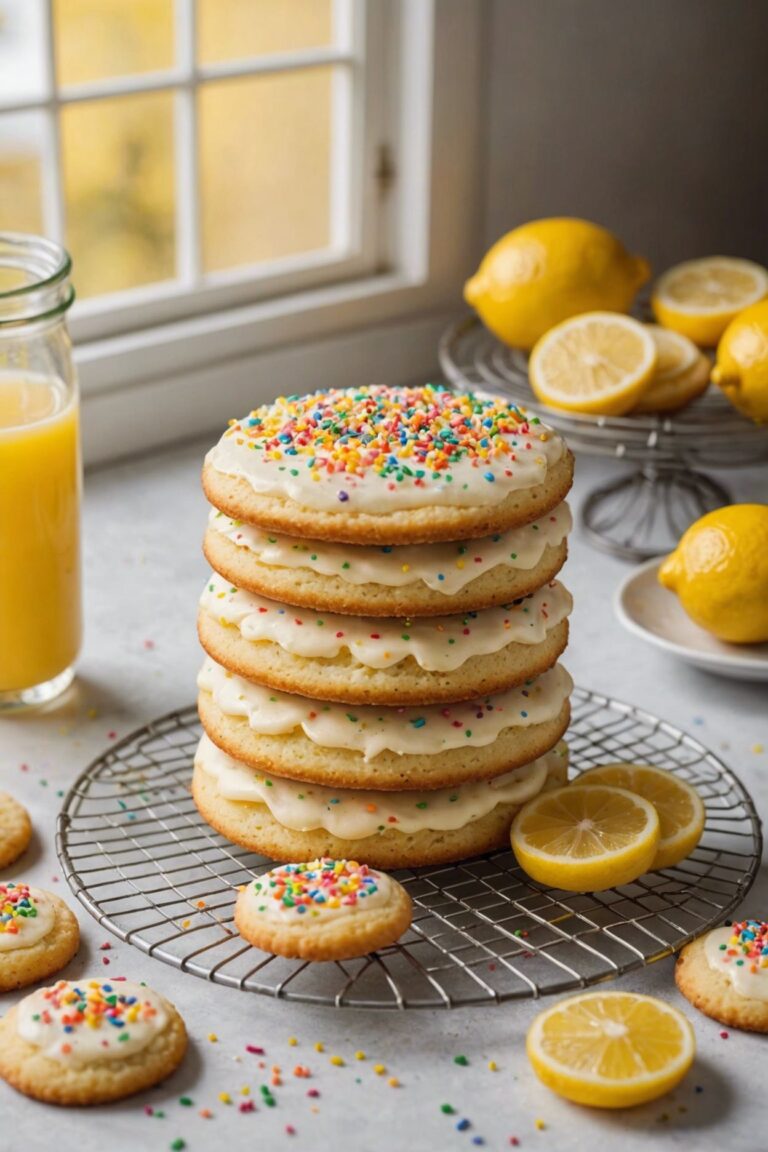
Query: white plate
point(651, 611)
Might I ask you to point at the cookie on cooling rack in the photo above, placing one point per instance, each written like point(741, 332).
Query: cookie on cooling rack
point(381, 465)
point(404, 580)
point(90, 1041)
point(15, 830)
point(725, 974)
point(39, 935)
point(358, 660)
point(323, 910)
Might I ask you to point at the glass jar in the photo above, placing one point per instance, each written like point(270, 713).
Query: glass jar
point(40, 475)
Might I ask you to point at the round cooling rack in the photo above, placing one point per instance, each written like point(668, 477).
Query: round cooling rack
point(644, 513)
point(141, 859)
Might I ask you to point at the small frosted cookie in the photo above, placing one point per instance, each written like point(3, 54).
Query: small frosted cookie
point(387, 580)
point(359, 660)
point(725, 974)
point(38, 935)
point(90, 1041)
point(388, 466)
point(323, 910)
point(15, 830)
point(367, 746)
point(289, 821)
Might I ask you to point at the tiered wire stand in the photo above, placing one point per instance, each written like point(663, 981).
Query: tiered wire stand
point(644, 513)
point(143, 862)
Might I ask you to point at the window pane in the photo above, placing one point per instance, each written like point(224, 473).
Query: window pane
point(22, 58)
point(119, 189)
point(232, 29)
point(265, 167)
point(21, 173)
point(100, 38)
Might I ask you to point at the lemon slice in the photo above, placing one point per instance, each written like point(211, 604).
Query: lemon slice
point(597, 363)
point(611, 1049)
point(700, 297)
point(680, 808)
point(682, 373)
point(586, 839)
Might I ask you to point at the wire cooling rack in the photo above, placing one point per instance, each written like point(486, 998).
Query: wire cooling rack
point(143, 862)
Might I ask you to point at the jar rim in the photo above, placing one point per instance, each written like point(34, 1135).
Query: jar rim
point(46, 266)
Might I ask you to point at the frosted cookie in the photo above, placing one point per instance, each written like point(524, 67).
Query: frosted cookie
point(360, 660)
point(388, 466)
point(90, 1041)
point(362, 746)
point(15, 830)
point(39, 935)
point(725, 974)
point(323, 910)
point(288, 821)
point(387, 580)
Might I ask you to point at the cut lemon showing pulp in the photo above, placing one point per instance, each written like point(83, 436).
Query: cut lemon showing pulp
point(611, 1049)
point(700, 297)
point(682, 373)
point(597, 363)
point(680, 808)
point(586, 839)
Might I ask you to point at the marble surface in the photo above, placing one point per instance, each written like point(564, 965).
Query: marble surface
point(144, 522)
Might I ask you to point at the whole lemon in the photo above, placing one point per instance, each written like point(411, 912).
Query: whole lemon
point(549, 270)
point(742, 362)
point(719, 570)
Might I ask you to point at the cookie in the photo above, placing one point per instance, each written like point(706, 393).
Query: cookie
point(39, 935)
point(323, 910)
point(353, 746)
point(15, 830)
point(725, 975)
point(404, 580)
point(90, 1041)
point(359, 660)
point(287, 821)
point(381, 465)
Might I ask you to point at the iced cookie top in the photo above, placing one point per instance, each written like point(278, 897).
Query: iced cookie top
point(92, 1020)
point(27, 915)
point(740, 952)
point(320, 888)
point(378, 449)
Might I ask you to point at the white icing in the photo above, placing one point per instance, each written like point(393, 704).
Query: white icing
point(445, 568)
point(41, 1023)
point(30, 929)
point(259, 900)
point(353, 814)
point(241, 452)
point(752, 985)
point(371, 729)
point(437, 644)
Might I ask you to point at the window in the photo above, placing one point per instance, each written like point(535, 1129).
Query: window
point(193, 154)
point(258, 194)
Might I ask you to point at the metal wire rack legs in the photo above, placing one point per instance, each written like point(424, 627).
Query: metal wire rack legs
point(142, 861)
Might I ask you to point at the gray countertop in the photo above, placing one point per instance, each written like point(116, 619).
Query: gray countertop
point(144, 571)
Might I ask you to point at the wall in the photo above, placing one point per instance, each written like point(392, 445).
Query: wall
point(649, 117)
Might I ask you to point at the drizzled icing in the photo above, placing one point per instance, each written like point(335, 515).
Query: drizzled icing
point(445, 568)
point(353, 814)
point(740, 953)
point(27, 915)
point(371, 729)
point(378, 449)
point(321, 888)
point(91, 1020)
point(437, 644)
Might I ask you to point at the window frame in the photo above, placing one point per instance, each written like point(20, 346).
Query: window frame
point(175, 380)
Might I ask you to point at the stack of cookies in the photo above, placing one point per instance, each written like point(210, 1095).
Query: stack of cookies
point(383, 625)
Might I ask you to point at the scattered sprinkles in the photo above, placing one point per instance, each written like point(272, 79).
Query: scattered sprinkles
point(16, 906)
point(748, 945)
